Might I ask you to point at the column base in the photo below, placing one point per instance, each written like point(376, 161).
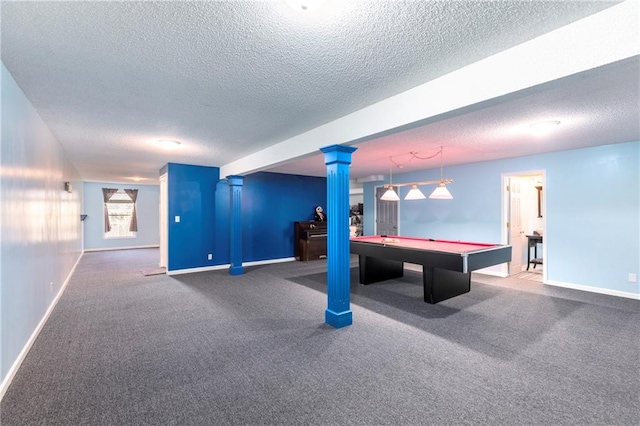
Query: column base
point(236, 270)
point(338, 319)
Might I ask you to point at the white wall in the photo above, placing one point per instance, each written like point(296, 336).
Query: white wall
point(40, 228)
point(147, 210)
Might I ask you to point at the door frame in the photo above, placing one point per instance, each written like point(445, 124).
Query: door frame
point(505, 202)
point(163, 221)
point(375, 211)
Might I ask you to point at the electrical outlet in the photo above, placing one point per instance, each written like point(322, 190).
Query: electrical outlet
point(209, 256)
point(633, 278)
point(177, 219)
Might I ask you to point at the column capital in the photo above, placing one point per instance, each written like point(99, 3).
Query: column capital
point(235, 180)
point(337, 154)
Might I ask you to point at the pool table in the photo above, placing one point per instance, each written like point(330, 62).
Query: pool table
point(446, 265)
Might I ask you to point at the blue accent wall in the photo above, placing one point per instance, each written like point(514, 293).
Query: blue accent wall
point(146, 210)
point(192, 197)
point(40, 228)
point(271, 203)
point(592, 211)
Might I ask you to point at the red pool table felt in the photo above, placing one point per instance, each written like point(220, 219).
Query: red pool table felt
point(425, 244)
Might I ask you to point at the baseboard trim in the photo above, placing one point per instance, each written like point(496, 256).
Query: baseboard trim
point(580, 287)
point(121, 248)
point(492, 273)
point(201, 269)
point(227, 266)
point(590, 289)
point(25, 350)
point(268, 261)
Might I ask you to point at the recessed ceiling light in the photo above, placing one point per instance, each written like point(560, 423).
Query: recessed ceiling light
point(304, 5)
point(168, 143)
point(544, 126)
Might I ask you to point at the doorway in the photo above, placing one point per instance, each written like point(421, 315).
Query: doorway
point(386, 219)
point(164, 222)
point(524, 214)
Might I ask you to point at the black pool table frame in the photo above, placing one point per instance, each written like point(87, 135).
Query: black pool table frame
point(444, 274)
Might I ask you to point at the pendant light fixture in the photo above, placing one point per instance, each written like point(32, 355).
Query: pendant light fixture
point(390, 194)
point(414, 193)
point(441, 192)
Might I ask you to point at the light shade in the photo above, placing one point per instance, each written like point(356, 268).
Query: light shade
point(390, 195)
point(414, 194)
point(441, 193)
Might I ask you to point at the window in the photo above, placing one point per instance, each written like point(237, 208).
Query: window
point(120, 213)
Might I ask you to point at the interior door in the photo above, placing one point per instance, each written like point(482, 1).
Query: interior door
point(386, 215)
point(516, 233)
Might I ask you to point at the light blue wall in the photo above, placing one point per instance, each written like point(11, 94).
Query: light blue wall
point(40, 228)
point(147, 209)
point(592, 211)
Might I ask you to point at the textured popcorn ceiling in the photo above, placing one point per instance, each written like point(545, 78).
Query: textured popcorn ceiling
point(230, 78)
point(598, 107)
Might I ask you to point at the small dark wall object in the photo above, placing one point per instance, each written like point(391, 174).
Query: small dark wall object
point(539, 188)
point(67, 187)
point(83, 217)
point(320, 215)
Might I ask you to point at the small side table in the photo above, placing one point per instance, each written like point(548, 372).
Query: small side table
point(533, 241)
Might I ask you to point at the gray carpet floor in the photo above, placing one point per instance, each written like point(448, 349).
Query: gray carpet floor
point(208, 348)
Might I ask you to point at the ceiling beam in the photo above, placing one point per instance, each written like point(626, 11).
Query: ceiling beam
point(597, 40)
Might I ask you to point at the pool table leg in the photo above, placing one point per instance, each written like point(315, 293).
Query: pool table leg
point(375, 269)
point(442, 284)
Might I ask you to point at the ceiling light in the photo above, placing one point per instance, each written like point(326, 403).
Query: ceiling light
point(390, 195)
point(441, 193)
point(304, 5)
point(414, 194)
point(544, 126)
point(168, 143)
